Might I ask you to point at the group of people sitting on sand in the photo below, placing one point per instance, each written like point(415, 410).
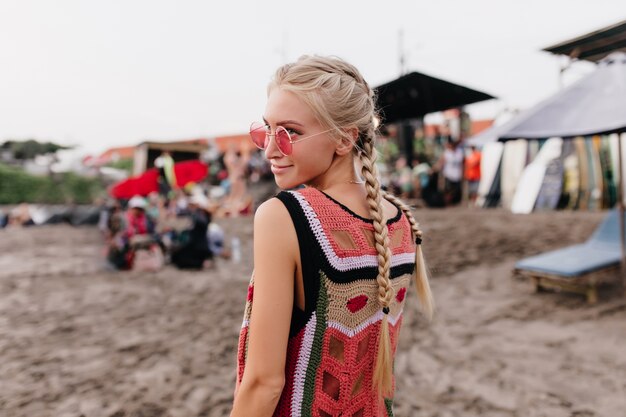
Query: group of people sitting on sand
point(146, 233)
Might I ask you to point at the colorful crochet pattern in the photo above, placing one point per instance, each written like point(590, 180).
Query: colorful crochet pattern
point(333, 343)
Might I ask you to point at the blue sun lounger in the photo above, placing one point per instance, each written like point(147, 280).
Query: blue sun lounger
point(578, 268)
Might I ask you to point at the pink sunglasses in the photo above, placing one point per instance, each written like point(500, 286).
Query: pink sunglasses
point(260, 134)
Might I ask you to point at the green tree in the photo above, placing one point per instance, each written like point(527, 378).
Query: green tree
point(28, 149)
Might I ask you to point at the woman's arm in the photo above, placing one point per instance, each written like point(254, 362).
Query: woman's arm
point(275, 254)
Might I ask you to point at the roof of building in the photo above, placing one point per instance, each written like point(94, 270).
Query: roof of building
point(241, 142)
point(193, 145)
point(595, 45)
point(120, 152)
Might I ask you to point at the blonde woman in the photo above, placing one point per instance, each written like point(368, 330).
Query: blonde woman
point(332, 261)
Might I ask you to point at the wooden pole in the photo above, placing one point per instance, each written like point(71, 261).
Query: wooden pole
point(620, 195)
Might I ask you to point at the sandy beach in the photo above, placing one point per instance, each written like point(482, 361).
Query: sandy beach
point(77, 340)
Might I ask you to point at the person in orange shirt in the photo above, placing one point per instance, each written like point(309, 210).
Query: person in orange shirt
point(472, 172)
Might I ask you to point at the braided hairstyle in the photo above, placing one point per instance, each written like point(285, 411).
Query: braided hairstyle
point(340, 98)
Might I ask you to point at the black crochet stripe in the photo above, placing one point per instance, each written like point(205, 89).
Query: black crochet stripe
point(352, 213)
point(309, 259)
point(313, 258)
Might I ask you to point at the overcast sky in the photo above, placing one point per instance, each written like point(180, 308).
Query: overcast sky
point(116, 72)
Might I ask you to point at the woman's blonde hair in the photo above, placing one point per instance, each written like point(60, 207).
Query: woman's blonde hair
point(341, 99)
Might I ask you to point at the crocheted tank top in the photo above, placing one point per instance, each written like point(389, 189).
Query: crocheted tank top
point(333, 343)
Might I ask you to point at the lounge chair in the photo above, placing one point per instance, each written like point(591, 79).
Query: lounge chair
point(578, 268)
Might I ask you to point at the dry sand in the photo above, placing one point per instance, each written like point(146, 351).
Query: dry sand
point(76, 340)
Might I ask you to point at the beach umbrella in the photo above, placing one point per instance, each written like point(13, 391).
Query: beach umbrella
point(143, 185)
point(594, 105)
point(415, 94)
point(493, 133)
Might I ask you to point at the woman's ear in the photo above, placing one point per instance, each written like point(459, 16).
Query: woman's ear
point(346, 143)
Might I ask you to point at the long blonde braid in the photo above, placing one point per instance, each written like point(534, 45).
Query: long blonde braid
point(382, 378)
point(424, 293)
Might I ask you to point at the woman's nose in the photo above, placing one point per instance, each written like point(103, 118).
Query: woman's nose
point(271, 150)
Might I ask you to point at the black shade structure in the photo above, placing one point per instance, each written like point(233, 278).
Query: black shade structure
point(415, 94)
point(595, 45)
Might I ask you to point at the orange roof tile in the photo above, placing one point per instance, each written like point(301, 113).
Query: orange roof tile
point(122, 152)
point(241, 142)
point(480, 125)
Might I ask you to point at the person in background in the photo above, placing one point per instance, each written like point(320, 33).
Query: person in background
point(421, 174)
point(386, 146)
point(194, 248)
point(137, 221)
point(238, 200)
point(472, 172)
point(167, 177)
point(126, 235)
point(181, 202)
point(155, 206)
point(114, 219)
point(402, 176)
point(450, 164)
point(4, 219)
point(21, 216)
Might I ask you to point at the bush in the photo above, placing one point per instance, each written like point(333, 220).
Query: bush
point(125, 164)
point(17, 186)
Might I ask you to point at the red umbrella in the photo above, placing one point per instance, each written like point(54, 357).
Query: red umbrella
point(190, 171)
point(146, 183)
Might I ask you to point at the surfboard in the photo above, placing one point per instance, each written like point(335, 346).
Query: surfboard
point(613, 144)
point(552, 184)
point(528, 188)
point(583, 163)
point(551, 187)
point(592, 193)
point(494, 196)
point(610, 188)
point(533, 150)
point(513, 163)
point(596, 142)
point(533, 176)
point(614, 147)
point(491, 155)
point(623, 176)
point(595, 191)
point(571, 175)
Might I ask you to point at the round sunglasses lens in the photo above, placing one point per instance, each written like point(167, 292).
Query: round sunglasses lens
point(283, 141)
point(258, 133)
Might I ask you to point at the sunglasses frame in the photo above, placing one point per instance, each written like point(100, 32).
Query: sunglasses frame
point(270, 135)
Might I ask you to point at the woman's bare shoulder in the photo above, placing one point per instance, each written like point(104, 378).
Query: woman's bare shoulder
point(271, 211)
point(273, 224)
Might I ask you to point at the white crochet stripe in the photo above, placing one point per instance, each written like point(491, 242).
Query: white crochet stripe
point(348, 263)
point(301, 366)
point(245, 323)
point(376, 317)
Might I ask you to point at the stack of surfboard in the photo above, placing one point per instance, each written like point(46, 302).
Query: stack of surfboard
point(524, 176)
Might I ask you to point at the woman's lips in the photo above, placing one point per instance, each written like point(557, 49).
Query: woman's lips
point(279, 169)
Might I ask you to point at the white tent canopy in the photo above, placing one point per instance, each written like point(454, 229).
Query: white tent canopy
point(594, 105)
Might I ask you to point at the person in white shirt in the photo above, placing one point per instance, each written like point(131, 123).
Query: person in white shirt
point(451, 166)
